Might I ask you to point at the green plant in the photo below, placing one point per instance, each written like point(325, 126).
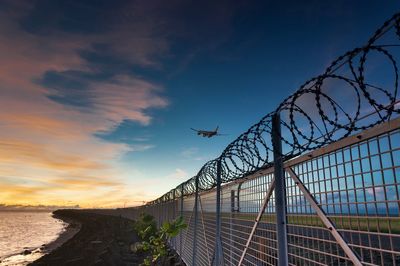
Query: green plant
point(146, 226)
point(155, 240)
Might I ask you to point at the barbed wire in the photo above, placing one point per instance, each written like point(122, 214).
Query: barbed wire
point(314, 115)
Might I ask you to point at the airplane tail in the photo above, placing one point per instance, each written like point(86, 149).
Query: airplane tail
point(216, 130)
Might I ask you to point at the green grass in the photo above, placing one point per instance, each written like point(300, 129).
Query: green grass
point(358, 223)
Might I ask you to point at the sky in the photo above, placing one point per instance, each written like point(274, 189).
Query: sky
point(97, 98)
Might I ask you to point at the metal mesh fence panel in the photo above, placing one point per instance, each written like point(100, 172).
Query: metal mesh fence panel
point(354, 184)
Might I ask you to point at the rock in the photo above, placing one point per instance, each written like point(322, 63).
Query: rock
point(26, 252)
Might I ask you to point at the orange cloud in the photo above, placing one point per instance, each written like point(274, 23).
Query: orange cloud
point(48, 151)
point(39, 156)
point(20, 194)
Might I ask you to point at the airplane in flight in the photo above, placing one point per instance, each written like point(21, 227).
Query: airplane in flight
point(208, 133)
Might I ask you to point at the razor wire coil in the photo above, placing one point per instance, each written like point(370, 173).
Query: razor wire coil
point(327, 122)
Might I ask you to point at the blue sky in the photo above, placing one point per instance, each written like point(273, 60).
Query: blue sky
point(119, 84)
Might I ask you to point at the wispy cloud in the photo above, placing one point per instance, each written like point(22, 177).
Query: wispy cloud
point(378, 192)
point(189, 152)
point(50, 146)
point(192, 153)
point(177, 174)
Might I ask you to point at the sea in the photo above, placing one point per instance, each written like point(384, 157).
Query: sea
point(25, 232)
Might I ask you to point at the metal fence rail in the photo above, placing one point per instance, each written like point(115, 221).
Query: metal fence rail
point(316, 182)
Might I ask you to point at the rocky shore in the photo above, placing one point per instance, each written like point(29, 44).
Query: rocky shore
point(101, 240)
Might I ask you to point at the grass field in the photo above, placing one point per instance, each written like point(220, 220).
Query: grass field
point(380, 224)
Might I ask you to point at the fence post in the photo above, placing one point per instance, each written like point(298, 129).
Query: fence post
point(280, 192)
point(159, 212)
point(196, 218)
point(232, 219)
point(218, 244)
point(173, 215)
point(181, 238)
point(174, 206)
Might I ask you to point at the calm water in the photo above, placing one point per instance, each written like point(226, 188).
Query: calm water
point(21, 231)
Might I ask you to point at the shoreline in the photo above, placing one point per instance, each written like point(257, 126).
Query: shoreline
point(71, 229)
point(30, 255)
point(101, 240)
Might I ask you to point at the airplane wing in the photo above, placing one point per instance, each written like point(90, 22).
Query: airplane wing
point(195, 129)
